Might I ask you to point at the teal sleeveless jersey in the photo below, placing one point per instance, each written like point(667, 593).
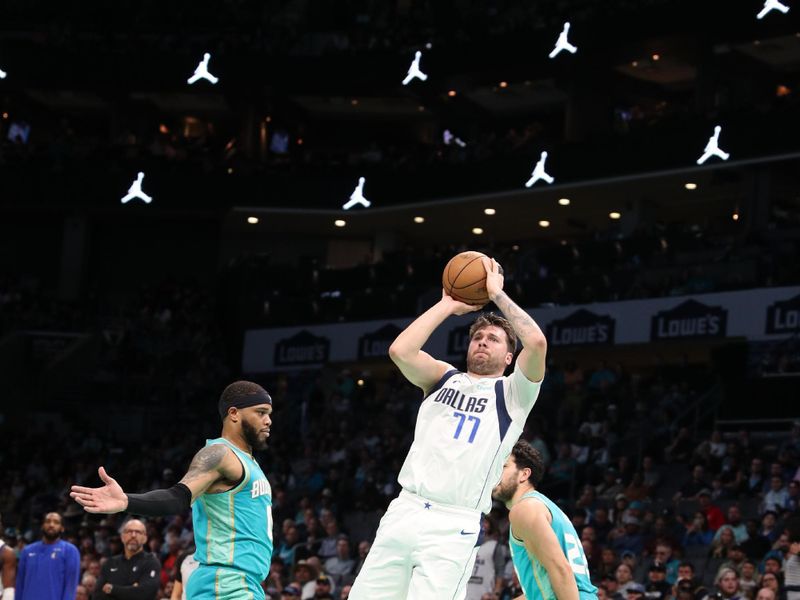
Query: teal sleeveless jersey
point(533, 576)
point(233, 529)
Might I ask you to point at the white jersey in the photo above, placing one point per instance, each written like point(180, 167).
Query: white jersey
point(466, 428)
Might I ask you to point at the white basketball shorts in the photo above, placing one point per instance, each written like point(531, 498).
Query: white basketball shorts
point(423, 550)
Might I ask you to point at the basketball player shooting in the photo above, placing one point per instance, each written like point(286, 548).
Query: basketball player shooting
point(230, 496)
point(466, 427)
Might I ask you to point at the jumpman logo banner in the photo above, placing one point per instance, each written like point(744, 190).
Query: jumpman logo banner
point(414, 71)
point(769, 6)
point(539, 172)
point(135, 191)
point(563, 42)
point(357, 197)
point(201, 72)
point(712, 148)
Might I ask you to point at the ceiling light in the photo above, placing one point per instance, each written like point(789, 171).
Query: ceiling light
point(735, 216)
point(421, 108)
point(690, 186)
point(252, 220)
point(563, 201)
point(544, 223)
point(503, 84)
point(354, 102)
point(656, 57)
point(515, 247)
point(340, 222)
point(419, 219)
point(489, 211)
point(635, 63)
point(451, 93)
point(614, 215)
point(477, 230)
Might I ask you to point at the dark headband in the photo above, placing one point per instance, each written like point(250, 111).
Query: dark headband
point(243, 401)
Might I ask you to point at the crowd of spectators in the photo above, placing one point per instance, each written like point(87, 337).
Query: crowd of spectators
point(685, 512)
point(662, 261)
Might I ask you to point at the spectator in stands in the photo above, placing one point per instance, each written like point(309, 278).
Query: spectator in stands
point(624, 577)
point(637, 490)
point(49, 569)
point(734, 559)
point(341, 566)
point(607, 565)
point(663, 556)
point(363, 550)
point(756, 545)
point(734, 520)
point(610, 487)
point(134, 574)
point(756, 480)
point(712, 512)
point(777, 498)
point(323, 588)
point(81, 593)
point(727, 585)
point(694, 486)
point(747, 579)
point(766, 593)
point(601, 523)
point(630, 537)
point(305, 575)
point(768, 526)
point(793, 503)
point(697, 532)
point(722, 545)
point(770, 581)
point(657, 587)
point(286, 549)
point(635, 591)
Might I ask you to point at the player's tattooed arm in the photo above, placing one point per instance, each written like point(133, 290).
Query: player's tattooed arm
point(531, 361)
point(210, 465)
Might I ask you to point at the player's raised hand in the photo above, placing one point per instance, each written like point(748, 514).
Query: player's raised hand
point(107, 499)
point(494, 277)
point(457, 307)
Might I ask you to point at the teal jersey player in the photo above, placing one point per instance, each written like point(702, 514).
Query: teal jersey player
point(233, 535)
point(231, 500)
point(545, 548)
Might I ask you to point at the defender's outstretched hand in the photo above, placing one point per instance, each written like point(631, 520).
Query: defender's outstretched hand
point(107, 499)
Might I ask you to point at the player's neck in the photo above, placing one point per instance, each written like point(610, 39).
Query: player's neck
point(490, 376)
point(237, 440)
point(521, 491)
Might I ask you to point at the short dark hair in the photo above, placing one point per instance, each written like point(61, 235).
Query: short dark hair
point(490, 318)
point(686, 563)
point(528, 457)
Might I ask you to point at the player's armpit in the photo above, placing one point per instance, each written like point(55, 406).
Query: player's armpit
point(208, 466)
point(420, 368)
point(529, 521)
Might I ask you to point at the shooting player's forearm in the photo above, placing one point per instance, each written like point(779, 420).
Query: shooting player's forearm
point(528, 332)
point(413, 338)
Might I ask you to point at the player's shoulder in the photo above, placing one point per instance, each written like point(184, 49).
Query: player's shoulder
point(528, 507)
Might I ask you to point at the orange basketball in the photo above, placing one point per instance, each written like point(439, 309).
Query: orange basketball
point(464, 278)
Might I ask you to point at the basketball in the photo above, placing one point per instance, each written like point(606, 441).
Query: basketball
point(464, 278)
